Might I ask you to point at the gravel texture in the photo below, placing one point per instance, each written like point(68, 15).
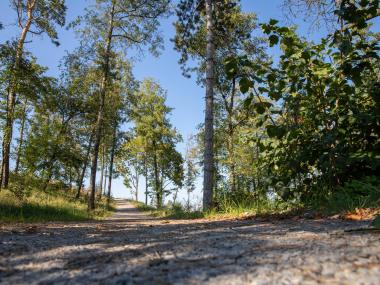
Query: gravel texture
point(131, 248)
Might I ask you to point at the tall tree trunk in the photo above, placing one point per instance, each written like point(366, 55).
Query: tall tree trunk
point(81, 178)
point(105, 183)
point(231, 133)
point(111, 163)
point(137, 183)
point(209, 116)
point(70, 178)
point(102, 173)
point(146, 180)
point(11, 101)
point(22, 129)
point(156, 177)
point(99, 121)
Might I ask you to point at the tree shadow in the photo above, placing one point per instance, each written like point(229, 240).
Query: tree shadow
point(144, 250)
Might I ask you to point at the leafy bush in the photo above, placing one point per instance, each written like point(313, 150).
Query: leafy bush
point(363, 193)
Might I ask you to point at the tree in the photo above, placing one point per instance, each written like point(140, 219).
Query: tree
point(232, 36)
point(209, 117)
point(195, 17)
point(158, 140)
point(124, 24)
point(130, 162)
point(36, 17)
point(191, 169)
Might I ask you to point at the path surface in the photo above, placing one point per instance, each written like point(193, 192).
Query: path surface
point(131, 248)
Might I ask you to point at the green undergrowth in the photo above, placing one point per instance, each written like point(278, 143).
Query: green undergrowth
point(348, 198)
point(233, 210)
point(50, 205)
point(361, 193)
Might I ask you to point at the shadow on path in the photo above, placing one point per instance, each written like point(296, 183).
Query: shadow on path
point(133, 248)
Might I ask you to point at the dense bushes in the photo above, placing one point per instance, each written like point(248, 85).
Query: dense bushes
point(317, 112)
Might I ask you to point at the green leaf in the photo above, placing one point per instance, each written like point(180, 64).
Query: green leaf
point(231, 67)
point(376, 222)
point(273, 40)
point(262, 107)
point(245, 84)
point(248, 101)
point(263, 90)
point(275, 131)
point(273, 22)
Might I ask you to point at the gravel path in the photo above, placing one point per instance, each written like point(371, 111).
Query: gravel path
point(131, 248)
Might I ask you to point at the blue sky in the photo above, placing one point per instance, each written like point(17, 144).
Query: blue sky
point(183, 94)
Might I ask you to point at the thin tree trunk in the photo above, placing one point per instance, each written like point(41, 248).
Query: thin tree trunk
point(102, 173)
point(156, 177)
point(22, 128)
point(146, 180)
point(231, 131)
point(111, 163)
point(7, 134)
point(81, 178)
point(208, 181)
point(137, 184)
point(105, 182)
point(99, 121)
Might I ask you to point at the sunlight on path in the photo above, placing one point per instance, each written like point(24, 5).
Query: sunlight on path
point(126, 211)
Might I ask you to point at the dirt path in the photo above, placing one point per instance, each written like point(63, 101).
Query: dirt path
point(131, 248)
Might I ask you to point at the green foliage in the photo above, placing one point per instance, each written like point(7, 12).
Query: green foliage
point(172, 211)
point(323, 130)
point(376, 222)
point(363, 193)
point(40, 206)
point(46, 15)
point(151, 147)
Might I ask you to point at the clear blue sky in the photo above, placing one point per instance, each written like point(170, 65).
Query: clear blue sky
point(183, 94)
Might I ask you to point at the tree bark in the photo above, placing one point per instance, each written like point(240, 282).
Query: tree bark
point(102, 173)
point(99, 121)
point(111, 163)
point(146, 180)
point(11, 101)
point(231, 132)
point(156, 177)
point(105, 183)
point(137, 183)
point(208, 181)
point(22, 129)
point(81, 178)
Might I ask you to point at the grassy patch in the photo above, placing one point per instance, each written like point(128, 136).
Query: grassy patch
point(39, 206)
point(173, 212)
point(231, 211)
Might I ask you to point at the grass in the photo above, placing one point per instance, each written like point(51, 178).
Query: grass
point(41, 206)
point(357, 199)
point(230, 211)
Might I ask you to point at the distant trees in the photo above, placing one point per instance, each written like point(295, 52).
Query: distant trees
point(191, 168)
point(152, 144)
point(110, 25)
point(65, 122)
